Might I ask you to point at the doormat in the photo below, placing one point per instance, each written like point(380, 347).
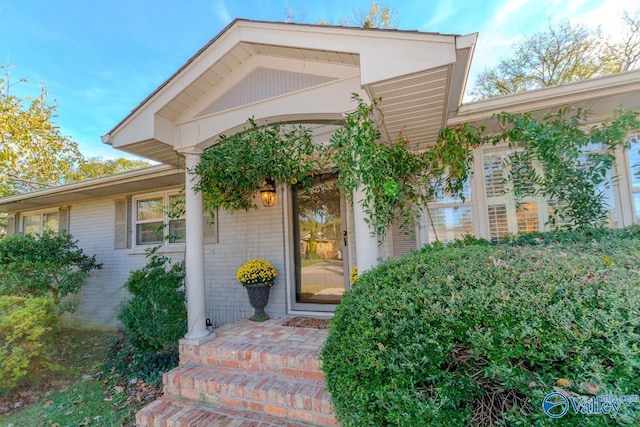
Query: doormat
point(308, 322)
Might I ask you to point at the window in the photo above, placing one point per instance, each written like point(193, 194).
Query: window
point(505, 216)
point(152, 222)
point(38, 223)
point(448, 218)
point(529, 213)
point(634, 167)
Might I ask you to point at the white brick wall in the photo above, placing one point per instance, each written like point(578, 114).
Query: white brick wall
point(241, 236)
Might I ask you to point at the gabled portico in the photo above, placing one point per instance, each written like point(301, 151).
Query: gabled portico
point(292, 73)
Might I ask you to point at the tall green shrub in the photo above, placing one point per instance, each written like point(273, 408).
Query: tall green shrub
point(479, 334)
point(26, 326)
point(155, 317)
point(50, 264)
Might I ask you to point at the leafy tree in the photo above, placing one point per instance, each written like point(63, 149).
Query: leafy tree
point(96, 167)
point(47, 265)
point(377, 16)
point(562, 54)
point(33, 152)
point(625, 55)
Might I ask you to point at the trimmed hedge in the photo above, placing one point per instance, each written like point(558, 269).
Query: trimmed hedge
point(155, 317)
point(479, 334)
point(26, 326)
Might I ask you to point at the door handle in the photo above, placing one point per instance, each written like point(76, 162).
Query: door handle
point(344, 237)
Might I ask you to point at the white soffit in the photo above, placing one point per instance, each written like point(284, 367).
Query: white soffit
point(414, 106)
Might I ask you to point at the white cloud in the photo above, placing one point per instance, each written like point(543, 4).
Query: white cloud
point(222, 12)
point(440, 15)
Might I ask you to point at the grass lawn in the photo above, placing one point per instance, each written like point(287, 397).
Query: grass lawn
point(77, 395)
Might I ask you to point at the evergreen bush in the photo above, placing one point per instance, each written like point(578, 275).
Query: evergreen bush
point(479, 334)
point(155, 317)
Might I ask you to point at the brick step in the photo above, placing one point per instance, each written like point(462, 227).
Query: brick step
point(178, 413)
point(291, 351)
point(277, 394)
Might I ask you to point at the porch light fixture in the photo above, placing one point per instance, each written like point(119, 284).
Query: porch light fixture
point(268, 192)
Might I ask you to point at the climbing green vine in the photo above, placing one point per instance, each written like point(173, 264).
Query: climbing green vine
point(395, 181)
point(575, 160)
point(398, 183)
point(234, 170)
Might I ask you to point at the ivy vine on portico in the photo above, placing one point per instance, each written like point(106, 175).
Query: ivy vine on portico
point(398, 182)
point(395, 180)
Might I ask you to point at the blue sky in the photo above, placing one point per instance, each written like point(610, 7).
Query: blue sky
point(100, 59)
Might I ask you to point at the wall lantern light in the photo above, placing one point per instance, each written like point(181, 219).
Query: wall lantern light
point(268, 192)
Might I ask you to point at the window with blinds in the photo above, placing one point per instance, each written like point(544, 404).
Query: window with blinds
point(504, 214)
point(634, 167)
point(448, 218)
point(512, 215)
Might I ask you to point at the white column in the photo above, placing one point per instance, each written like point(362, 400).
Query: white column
point(194, 256)
point(366, 243)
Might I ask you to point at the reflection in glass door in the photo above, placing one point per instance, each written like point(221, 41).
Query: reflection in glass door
point(321, 258)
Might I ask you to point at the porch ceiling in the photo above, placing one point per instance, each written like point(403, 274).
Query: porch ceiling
point(414, 106)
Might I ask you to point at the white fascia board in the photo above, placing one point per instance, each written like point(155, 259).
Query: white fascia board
point(129, 176)
point(548, 97)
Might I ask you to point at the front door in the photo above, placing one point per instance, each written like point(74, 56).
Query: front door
point(321, 261)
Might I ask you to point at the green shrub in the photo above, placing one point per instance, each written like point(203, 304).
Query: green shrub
point(50, 264)
point(155, 317)
point(124, 362)
point(26, 326)
point(479, 334)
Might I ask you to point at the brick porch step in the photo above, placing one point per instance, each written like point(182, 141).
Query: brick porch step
point(277, 394)
point(248, 374)
point(172, 413)
point(256, 346)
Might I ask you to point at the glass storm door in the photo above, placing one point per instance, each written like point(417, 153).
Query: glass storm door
point(321, 259)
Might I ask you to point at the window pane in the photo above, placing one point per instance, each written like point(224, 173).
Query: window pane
point(493, 175)
point(149, 233)
point(498, 221)
point(634, 163)
point(31, 224)
point(450, 224)
point(527, 217)
point(636, 205)
point(442, 197)
point(150, 209)
point(176, 206)
point(51, 221)
point(177, 230)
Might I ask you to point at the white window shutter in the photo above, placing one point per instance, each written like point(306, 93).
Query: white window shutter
point(403, 240)
point(65, 216)
point(122, 237)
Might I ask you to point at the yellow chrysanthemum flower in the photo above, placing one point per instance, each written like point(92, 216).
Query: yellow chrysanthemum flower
point(256, 271)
